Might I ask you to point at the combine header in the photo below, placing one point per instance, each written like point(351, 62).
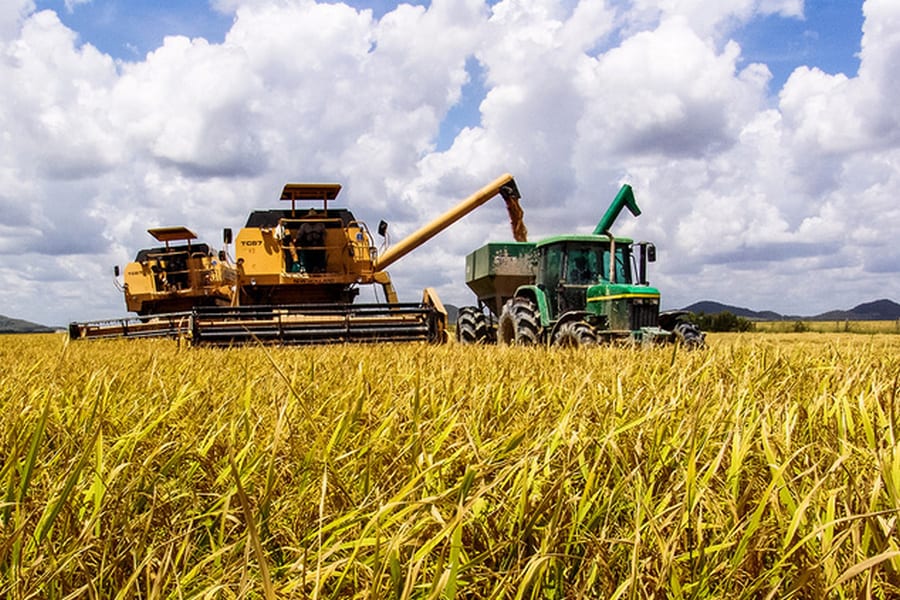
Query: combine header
point(297, 272)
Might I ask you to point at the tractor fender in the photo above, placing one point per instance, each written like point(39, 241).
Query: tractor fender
point(669, 318)
point(536, 295)
point(572, 315)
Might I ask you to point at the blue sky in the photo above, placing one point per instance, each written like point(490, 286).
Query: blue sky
point(827, 37)
point(760, 136)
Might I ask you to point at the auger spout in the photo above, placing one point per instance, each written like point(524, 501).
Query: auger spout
point(625, 198)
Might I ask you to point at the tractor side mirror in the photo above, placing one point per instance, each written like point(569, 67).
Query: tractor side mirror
point(651, 253)
point(226, 235)
point(116, 270)
point(382, 228)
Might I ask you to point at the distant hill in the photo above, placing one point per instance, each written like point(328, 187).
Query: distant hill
point(710, 307)
point(879, 310)
point(452, 312)
point(10, 325)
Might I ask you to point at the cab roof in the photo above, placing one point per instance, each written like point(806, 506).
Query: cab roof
point(310, 191)
point(171, 234)
point(583, 238)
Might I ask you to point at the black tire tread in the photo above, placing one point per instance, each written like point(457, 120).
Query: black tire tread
point(575, 334)
point(472, 326)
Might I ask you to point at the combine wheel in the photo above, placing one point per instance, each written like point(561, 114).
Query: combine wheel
point(689, 335)
point(472, 326)
point(519, 323)
point(574, 334)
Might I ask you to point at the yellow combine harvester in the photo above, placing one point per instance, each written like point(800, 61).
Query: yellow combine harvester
point(298, 271)
point(177, 277)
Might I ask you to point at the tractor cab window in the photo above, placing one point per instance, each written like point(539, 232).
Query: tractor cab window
point(622, 267)
point(583, 265)
point(552, 266)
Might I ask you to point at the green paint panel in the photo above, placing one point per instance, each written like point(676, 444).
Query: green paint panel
point(591, 239)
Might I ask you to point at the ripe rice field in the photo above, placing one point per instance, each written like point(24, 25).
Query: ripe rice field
point(766, 466)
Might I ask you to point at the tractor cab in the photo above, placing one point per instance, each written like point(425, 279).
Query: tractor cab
point(581, 272)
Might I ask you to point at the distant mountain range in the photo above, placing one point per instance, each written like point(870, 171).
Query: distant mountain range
point(10, 325)
point(879, 310)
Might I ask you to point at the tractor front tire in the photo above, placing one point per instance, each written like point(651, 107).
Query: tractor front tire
point(689, 335)
point(575, 334)
point(472, 326)
point(519, 323)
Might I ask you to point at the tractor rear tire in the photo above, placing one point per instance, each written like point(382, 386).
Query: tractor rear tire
point(519, 323)
point(689, 335)
point(472, 326)
point(575, 334)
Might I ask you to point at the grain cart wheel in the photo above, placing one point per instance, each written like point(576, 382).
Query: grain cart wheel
point(574, 334)
point(519, 323)
point(472, 326)
point(689, 335)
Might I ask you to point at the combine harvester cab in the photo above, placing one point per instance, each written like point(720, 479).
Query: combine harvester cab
point(176, 278)
point(314, 255)
point(570, 290)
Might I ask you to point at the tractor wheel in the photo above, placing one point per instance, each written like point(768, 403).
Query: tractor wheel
point(472, 326)
point(519, 323)
point(575, 334)
point(689, 335)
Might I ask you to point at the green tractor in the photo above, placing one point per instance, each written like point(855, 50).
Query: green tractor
point(570, 290)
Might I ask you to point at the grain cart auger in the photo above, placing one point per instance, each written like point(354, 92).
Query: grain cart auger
point(569, 290)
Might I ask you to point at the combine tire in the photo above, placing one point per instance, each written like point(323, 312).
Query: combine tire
point(472, 326)
point(575, 334)
point(519, 323)
point(689, 335)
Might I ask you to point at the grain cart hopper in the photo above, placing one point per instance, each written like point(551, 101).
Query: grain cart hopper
point(569, 290)
point(299, 270)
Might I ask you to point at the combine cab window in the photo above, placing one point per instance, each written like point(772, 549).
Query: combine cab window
point(304, 247)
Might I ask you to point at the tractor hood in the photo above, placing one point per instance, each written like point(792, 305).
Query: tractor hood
point(624, 306)
point(617, 291)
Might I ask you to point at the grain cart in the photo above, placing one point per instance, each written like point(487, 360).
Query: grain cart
point(569, 290)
